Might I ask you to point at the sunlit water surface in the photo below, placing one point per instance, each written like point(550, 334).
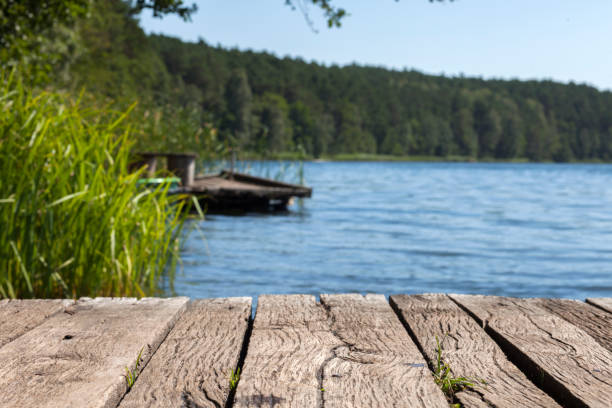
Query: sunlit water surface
point(501, 229)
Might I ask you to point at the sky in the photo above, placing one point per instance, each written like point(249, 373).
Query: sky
point(562, 40)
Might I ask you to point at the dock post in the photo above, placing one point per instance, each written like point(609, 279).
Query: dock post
point(148, 160)
point(183, 166)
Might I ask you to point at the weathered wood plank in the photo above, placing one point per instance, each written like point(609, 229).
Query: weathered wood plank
point(78, 358)
point(568, 363)
point(469, 351)
point(289, 343)
point(349, 351)
point(603, 303)
point(377, 364)
point(19, 316)
point(192, 366)
point(596, 322)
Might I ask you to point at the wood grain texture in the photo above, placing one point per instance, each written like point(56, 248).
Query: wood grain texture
point(376, 364)
point(602, 303)
point(192, 366)
point(19, 316)
point(289, 343)
point(349, 351)
point(568, 363)
point(469, 351)
point(596, 322)
point(78, 358)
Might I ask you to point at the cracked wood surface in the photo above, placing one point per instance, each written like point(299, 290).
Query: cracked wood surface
point(78, 358)
point(19, 316)
point(602, 303)
point(376, 363)
point(349, 351)
point(290, 341)
point(567, 362)
point(469, 351)
point(192, 366)
point(596, 322)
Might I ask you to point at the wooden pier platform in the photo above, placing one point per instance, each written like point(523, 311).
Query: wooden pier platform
point(228, 191)
point(340, 351)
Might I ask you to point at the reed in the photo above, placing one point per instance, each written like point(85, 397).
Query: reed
point(73, 220)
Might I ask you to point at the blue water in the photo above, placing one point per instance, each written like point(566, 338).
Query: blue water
point(502, 229)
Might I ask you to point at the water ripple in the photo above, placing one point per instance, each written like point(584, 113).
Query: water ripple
point(504, 229)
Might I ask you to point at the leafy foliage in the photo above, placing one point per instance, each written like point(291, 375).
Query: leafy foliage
point(75, 221)
point(334, 15)
point(161, 7)
point(29, 28)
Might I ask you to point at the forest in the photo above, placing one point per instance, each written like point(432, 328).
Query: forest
point(262, 104)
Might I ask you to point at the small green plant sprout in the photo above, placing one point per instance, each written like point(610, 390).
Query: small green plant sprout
point(130, 375)
point(234, 377)
point(446, 380)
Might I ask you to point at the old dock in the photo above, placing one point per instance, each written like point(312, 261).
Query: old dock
point(236, 191)
point(227, 191)
point(341, 351)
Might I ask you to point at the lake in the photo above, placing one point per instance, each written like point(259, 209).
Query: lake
point(500, 229)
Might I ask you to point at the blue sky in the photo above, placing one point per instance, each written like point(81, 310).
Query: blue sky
point(563, 40)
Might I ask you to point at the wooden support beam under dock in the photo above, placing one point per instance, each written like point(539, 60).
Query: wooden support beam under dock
point(341, 351)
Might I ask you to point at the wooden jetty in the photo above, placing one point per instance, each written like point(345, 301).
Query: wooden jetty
point(227, 191)
point(342, 351)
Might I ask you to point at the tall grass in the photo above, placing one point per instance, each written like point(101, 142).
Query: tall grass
point(73, 221)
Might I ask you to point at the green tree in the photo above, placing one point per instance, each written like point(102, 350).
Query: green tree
point(116, 59)
point(324, 132)
point(536, 131)
point(275, 129)
point(465, 137)
point(399, 140)
point(239, 104)
point(352, 137)
point(25, 25)
point(488, 127)
point(303, 126)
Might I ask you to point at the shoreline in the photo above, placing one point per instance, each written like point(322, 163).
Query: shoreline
point(359, 157)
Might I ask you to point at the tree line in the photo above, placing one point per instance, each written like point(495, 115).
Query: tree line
point(262, 103)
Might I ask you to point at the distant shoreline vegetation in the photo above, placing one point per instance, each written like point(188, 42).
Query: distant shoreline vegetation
point(366, 157)
point(258, 102)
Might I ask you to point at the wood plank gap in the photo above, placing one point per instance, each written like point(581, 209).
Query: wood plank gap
point(430, 363)
point(146, 362)
point(243, 354)
point(79, 357)
point(469, 352)
point(289, 341)
point(375, 363)
point(192, 366)
point(356, 350)
point(534, 371)
point(18, 317)
point(602, 303)
point(593, 320)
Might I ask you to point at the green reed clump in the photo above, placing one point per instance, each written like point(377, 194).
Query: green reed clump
point(73, 221)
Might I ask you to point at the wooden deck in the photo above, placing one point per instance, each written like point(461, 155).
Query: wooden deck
point(231, 191)
point(341, 351)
